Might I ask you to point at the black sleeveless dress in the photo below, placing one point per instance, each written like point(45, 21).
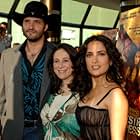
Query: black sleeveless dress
point(94, 123)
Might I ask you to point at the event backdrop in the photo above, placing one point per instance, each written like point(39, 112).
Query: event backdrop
point(129, 45)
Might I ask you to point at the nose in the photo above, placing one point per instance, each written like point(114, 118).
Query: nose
point(61, 64)
point(31, 24)
point(94, 59)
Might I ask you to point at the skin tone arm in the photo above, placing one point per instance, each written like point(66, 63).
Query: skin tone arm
point(118, 113)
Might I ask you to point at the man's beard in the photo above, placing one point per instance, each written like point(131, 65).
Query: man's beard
point(33, 39)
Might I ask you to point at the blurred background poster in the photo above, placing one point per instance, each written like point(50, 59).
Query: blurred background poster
point(112, 34)
point(128, 44)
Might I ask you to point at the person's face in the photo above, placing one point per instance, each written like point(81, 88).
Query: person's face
point(62, 65)
point(34, 28)
point(137, 58)
point(3, 25)
point(3, 32)
point(97, 59)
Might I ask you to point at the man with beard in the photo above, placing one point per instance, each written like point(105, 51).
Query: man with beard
point(24, 79)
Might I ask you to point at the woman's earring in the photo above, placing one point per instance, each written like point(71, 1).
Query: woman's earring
point(110, 64)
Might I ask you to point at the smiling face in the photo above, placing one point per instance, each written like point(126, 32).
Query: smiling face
point(97, 59)
point(62, 65)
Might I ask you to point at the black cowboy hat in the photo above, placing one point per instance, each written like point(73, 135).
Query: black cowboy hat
point(32, 9)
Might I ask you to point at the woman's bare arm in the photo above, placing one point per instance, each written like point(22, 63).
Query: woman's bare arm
point(118, 112)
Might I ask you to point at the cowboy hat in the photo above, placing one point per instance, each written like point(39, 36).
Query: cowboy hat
point(32, 9)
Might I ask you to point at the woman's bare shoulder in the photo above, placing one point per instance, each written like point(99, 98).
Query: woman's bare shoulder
point(117, 96)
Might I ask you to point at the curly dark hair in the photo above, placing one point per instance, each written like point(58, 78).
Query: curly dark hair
point(55, 82)
point(83, 82)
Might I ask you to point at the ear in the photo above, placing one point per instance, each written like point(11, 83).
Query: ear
point(46, 27)
point(110, 63)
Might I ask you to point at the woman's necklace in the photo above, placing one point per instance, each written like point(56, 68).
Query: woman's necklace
point(64, 91)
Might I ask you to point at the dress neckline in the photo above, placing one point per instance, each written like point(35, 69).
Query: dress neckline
point(92, 107)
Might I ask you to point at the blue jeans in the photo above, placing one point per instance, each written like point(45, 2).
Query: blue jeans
point(32, 133)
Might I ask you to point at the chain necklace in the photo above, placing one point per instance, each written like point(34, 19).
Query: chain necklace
point(31, 56)
point(63, 91)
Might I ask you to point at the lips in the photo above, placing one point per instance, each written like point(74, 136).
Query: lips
point(95, 67)
point(30, 31)
point(61, 71)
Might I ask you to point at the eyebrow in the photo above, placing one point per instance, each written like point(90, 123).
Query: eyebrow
point(63, 58)
point(97, 51)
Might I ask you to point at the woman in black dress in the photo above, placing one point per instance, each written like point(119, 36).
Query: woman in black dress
point(103, 108)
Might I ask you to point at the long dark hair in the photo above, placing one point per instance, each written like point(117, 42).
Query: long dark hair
point(55, 82)
point(132, 66)
point(84, 83)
